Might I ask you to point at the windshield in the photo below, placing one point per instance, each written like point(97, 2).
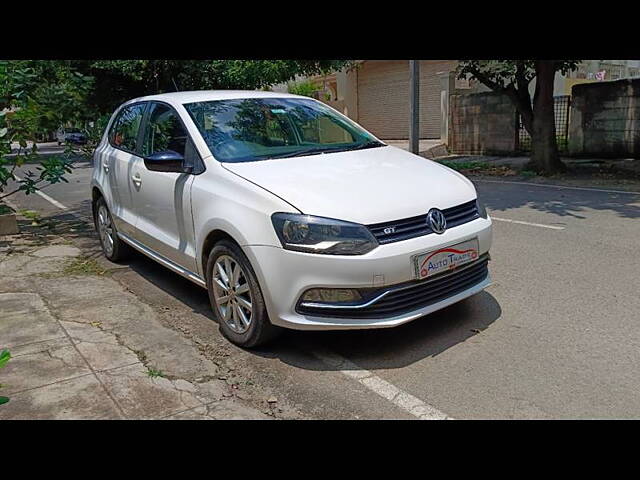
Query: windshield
point(250, 129)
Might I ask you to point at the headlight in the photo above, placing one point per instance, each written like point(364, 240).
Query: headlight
point(307, 233)
point(482, 210)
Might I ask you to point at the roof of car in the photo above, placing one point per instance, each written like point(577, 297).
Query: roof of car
point(208, 95)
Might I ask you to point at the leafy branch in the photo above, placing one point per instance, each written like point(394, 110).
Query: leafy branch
point(4, 358)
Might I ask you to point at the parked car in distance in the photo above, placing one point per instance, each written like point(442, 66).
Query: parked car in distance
point(71, 135)
point(289, 213)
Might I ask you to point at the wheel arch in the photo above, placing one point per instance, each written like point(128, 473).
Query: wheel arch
point(213, 237)
point(96, 194)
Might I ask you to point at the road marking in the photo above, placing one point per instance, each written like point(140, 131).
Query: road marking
point(48, 198)
point(559, 186)
point(553, 227)
point(401, 399)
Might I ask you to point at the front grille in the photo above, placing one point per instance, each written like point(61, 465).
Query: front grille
point(411, 296)
point(418, 226)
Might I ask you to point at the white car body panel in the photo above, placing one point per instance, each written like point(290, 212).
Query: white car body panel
point(289, 274)
point(170, 215)
point(164, 221)
point(365, 186)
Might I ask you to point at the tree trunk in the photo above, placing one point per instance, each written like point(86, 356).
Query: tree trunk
point(544, 148)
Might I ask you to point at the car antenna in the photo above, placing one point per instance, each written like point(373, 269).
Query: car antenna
point(175, 85)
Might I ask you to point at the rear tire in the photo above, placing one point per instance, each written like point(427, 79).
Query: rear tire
point(112, 247)
point(236, 298)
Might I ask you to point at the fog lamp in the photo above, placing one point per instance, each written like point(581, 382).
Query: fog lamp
point(331, 295)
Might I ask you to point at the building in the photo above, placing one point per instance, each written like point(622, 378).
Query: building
point(590, 71)
point(376, 92)
point(376, 95)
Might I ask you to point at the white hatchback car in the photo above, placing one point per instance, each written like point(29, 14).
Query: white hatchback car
point(289, 213)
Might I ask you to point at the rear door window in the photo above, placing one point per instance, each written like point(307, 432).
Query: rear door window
point(124, 132)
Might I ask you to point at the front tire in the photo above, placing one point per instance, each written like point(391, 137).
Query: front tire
point(112, 247)
point(236, 298)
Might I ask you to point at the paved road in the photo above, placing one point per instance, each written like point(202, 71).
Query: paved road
point(555, 336)
point(48, 148)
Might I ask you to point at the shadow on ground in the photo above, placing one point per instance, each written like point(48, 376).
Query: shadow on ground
point(397, 347)
point(371, 349)
point(556, 201)
point(391, 348)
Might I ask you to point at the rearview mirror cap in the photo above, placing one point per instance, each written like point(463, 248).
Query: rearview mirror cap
point(166, 161)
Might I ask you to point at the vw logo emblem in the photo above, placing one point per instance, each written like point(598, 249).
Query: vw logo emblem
point(437, 220)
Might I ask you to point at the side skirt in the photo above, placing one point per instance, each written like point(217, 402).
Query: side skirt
point(195, 278)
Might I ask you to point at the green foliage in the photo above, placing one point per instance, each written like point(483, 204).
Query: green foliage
point(83, 266)
point(305, 88)
point(512, 78)
point(120, 80)
point(37, 97)
point(502, 74)
point(94, 131)
point(154, 373)
point(5, 355)
point(4, 358)
point(31, 215)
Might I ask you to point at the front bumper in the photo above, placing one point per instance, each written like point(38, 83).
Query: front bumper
point(284, 275)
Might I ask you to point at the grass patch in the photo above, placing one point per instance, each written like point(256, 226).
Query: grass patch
point(476, 167)
point(152, 373)
point(36, 219)
point(528, 173)
point(83, 266)
point(31, 215)
point(461, 166)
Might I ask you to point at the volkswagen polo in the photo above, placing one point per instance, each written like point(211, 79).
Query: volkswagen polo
point(289, 213)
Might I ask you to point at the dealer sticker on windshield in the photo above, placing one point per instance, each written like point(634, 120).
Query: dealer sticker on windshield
point(445, 259)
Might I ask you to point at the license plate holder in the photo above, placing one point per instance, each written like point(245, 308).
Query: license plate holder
point(445, 259)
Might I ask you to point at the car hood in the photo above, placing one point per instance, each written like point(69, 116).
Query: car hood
point(364, 186)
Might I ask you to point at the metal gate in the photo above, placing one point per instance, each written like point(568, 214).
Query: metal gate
point(561, 110)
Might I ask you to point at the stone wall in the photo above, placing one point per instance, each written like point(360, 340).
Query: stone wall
point(482, 123)
point(605, 119)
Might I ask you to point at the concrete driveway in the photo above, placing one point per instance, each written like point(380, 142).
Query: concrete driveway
point(555, 336)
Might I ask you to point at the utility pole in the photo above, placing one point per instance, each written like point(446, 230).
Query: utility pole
point(414, 106)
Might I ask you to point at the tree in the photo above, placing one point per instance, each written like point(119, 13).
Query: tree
point(37, 97)
point(512, 77)
point(305, 88)
point(120, 80)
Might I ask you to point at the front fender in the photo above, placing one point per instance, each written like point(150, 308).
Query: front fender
point(221, 200)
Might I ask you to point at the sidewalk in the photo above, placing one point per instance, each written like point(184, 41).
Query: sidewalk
point(427, 148)
point(83, 347)
point(620, 174)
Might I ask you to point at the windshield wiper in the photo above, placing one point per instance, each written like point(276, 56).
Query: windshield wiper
point(368, 145)
point(321, 150)
point(303, 153)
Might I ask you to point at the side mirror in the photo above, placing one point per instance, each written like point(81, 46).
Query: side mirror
point(167, 161)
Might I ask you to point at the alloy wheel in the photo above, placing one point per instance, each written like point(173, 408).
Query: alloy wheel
point(232, 294)
point(105, 230)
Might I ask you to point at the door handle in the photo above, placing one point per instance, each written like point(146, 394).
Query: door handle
point(105, 166)
point(137, 181)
